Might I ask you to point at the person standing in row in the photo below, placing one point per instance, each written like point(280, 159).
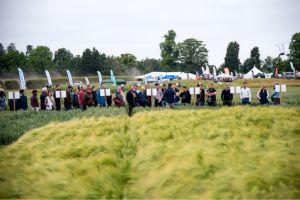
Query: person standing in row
point(43, 98)
point(22, 102)
point(131, 99)
point(142, 97)
point(185, 96)
point(119, 97)
point(68, 99)
point(200, 97)
point(50, 102)
point(81, 100)
point(56, 98)
point(245, 94)
point(263, 95)
point(159, 96)
point(211, 95)
point(226, 96)
point(170, 96)
point(2, 100)
point(75, 99)
point(34, 103)
point(276, 94)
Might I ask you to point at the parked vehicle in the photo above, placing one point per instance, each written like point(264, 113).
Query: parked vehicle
point(289, 75)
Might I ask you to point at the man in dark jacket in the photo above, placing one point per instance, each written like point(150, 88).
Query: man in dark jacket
point(57, 98)
point(142, 97)
point(22, 103)
point(131, 99)
point(211, 95)
point(200, 97)
point(43, 98)
point(185, 96)
point(68, 99)
point(170, 96)
point(226, 96)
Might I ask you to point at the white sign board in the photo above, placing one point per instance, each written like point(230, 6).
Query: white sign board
point(232, 89)
point(17, 95)
point(197, 90)
point(154, 92)
point(10, 95)
point(277, 88)
point(238, 89)
point(192, 91)
point(57, 94)
point(63, 94)
point(102, 92)
point(148, 92)
point(283, 88)
point(107, 92)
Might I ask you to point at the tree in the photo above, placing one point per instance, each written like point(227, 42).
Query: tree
point(254, 60)
point(76, 64)
point(40, 58)
point(128, 59)
point(62, 59)
point(11, 47)
point(269, 64)
point(232, 61)
point(149, 65)
point(295, 50)
point(169, 51)
point(86, 62)
point(28, 49)
point(2, 50)
point(192, 54)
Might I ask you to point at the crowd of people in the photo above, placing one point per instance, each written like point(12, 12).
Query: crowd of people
point(166, 96)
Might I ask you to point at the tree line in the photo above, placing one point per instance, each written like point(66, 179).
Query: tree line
point(187, 56)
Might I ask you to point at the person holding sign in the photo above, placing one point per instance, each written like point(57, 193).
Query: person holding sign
point(200, 96)
point(211, 95)
point(263, 95)
point(276, 94)
point(100, 94)
point(245, 94)
point(34, 103)
point(43, 97)
point(227, 96)
point(57, 97)
point(2, 100)
point(185, 96)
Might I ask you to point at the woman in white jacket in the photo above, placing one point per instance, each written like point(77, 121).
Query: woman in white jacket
point(50, 103)
point(245, 94)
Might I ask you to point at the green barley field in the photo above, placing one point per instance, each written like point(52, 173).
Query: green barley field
point(238, 152)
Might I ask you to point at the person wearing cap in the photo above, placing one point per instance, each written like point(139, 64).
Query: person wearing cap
point(57, 99)
point(200, 97)
point(226, 96)
point(34, 103)
point(43, 98)
point(68, 99)
point(211, 95)
point(245, 94)
point(2, 100)
point(185, 96)
point(276, 94)
point(263, 95)
point(131, 99)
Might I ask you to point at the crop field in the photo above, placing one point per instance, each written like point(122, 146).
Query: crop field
point(238, 152)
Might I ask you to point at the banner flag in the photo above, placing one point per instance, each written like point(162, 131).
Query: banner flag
point(48, 78)
point(22, 79)
point(70, 77)
point(100, 78)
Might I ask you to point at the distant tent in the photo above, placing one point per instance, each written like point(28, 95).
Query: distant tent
point(254, 71)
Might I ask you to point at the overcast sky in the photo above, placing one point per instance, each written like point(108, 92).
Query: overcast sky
point(138, 26)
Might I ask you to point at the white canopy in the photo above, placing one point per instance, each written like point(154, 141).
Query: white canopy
point(254, 71)
point(154, 76)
